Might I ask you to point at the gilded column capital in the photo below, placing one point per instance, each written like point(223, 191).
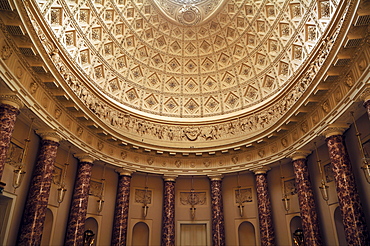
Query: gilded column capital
point(49, 135)
point(215, 177)
point(124, 172)
point(261, 170)
point(84, 157)
point(334, 129)
point(170, 178)
point(299, 154)
point(11, 100)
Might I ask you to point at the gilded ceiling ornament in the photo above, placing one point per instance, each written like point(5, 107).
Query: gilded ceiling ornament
point(261, 153)
point(57, 113)
point(304, 126)
point(284, 142)
point(349, 80)
point(6, 52)
point(235, 159)
point(123, 155)
point(100, 145)
point(150, 161)
point(33, 87)
point(189, 15)
point(80, 130)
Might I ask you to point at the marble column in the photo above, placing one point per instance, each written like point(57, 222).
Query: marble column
point(367, 105)
point(119, 231)
point(9, 109)
point(264, 208)
point(217, 210)
point(38, 195)
point(168, 216)
point(78, 210)
point(349, 200)
point(310, 222)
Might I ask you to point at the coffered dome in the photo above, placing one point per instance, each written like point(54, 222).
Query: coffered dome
point(213, 58)
point(189, 86)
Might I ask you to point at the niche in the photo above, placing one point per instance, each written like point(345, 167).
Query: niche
point(48, 226)
point(339, 227)
point(296, 233)
point(7, 202)
point(246, 234)
point(140, 234)
point(91, 231)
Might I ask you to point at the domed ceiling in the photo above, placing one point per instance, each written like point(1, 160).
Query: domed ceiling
point(189, 85)
point(190, 60)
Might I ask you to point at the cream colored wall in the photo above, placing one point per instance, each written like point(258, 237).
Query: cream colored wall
point(231, 212)
point(281, 219)
point(154, 217)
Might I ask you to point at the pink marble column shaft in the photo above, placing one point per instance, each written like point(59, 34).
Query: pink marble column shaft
point(310, 222)
point(367, 106)
point(78, 210)
point(264, 210)
point(168, 216)
point(8, 116)
point(349, 201)
point(217, 210)
point(119, 233)
point(38, 195)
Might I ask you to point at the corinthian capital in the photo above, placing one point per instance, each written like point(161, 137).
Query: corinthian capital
point(49, 135)
point(299, 154)
point(334, 129)
point(11, 100)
